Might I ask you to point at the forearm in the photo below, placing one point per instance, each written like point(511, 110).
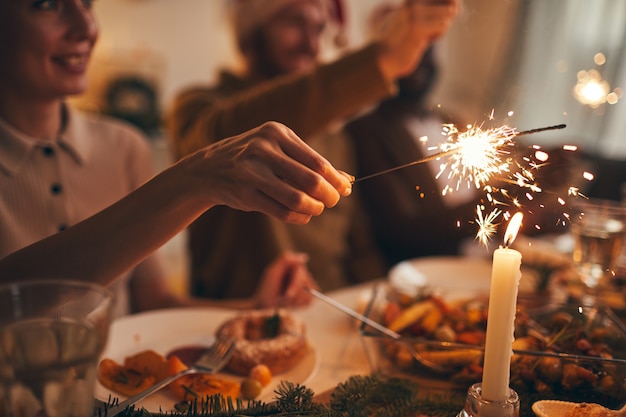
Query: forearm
point(113, 240)
point(244, 172)
point(306, 103)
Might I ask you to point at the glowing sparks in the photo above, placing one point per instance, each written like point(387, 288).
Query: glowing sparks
point(485, 159)
point(476, 155)
point(486, 225)
point(574, 192)
point(588, 176)
point(488, 159)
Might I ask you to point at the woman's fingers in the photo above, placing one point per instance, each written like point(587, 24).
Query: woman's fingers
point(299, 151)
point(290, 172)
point(271, 170)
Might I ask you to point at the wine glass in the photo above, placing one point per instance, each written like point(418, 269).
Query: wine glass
point(599, 229)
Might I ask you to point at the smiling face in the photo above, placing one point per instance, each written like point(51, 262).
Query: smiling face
point(290, 41)
point(47, 44)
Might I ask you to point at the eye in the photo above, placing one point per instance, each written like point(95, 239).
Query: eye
point(88, 3)
point(46, 4)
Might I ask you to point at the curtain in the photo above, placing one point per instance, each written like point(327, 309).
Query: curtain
point(558, 39)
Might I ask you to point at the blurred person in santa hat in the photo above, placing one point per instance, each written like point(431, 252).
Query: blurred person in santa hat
point(284, 79)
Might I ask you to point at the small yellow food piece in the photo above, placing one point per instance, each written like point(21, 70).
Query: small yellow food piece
point(250, 388)
point(411, 315)
point(459, 357)
point(431, 320)
point(261, 373)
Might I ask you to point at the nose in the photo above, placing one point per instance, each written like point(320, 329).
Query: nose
point(81, 21)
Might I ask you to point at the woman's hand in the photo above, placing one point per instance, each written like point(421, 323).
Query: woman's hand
point(284, 283)
point(267, 169)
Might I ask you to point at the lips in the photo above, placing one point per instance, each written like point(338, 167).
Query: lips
point(72, 62)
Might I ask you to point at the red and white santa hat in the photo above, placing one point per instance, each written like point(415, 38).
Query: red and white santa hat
point(249, 15)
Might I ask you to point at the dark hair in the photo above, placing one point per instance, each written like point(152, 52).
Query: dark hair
point(420, 82)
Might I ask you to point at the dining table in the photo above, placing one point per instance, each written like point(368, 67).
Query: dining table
point(335, 337)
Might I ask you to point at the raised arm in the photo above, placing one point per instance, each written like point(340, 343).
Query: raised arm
point(330, 92)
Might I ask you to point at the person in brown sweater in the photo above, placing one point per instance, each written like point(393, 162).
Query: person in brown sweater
point(280, 42)
point(410, 216)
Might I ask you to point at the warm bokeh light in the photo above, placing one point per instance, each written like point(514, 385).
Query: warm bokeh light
point(599, 58)
point(591, 89)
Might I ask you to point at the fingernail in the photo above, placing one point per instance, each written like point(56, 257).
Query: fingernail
point(347, 191)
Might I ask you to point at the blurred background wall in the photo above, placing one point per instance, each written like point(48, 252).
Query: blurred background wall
point(519, 56)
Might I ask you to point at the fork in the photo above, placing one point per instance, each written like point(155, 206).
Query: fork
point(210, 362)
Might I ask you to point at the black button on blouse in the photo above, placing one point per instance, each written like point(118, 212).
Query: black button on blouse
point(56, 189)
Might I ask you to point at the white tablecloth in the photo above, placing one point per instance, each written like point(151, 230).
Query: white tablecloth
point(335, 336)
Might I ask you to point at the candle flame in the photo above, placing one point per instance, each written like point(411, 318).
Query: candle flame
point(513, 228)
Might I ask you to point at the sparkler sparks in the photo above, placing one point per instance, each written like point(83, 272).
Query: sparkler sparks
point(476, 155)
point(486, 159)
point(486, 225)
point(490, 160)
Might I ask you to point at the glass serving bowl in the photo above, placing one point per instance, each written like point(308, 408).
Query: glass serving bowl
point(561, 351)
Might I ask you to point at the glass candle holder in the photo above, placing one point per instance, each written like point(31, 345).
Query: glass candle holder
point(477, 406)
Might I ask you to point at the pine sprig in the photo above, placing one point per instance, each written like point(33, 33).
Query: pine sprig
point(296, 399)
point(359, 396)
point(375, 396)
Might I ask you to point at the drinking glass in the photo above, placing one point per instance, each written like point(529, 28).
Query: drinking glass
point(598, 228)
point(52, 333)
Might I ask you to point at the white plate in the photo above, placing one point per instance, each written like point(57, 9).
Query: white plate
point(165, 330)
point(453, 277)
point(555, 408)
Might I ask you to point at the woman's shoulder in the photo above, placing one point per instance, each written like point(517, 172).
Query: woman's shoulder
point(103, 122)
point(108, 129)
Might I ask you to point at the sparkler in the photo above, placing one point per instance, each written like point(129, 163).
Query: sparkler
point(476, 157)
point(475, 151)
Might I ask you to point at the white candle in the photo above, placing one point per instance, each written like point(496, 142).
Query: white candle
point(505, 277)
